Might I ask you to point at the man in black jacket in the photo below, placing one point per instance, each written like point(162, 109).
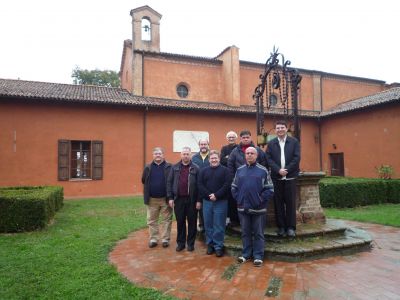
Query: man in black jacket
point(154, 179)
point(233, 218)
point(283, 157)
point(237, 157)
point(214, 185)
point(183, 198)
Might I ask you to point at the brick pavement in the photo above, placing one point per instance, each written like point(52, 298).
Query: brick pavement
point(194, 275)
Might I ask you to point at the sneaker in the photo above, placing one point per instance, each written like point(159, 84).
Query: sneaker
point(242, 259)
point(219, 253)
point(257, 262)
point(165, 244)
point(281, 232)
point(210, 250)
point(291, 233)
point(152, 244)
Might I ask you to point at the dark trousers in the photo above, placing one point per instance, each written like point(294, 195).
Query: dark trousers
point(201, 219)
point(232, 210)
point(285, 203)
point(185, 211)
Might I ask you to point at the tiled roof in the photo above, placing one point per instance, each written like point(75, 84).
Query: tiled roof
point(31, 90)
point(65, 92)
point(388, 96)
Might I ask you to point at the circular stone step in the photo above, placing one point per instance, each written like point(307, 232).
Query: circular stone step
point(311, 242)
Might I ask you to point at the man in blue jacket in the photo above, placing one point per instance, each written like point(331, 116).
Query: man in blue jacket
point(252, 191)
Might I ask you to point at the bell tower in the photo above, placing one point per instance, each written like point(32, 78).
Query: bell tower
point(145, 38)
point(145, 29)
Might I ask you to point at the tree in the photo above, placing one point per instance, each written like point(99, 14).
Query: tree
point(96, 77)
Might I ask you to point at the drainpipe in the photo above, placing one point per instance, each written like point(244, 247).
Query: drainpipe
point(142, 72)
point(145, 135)
point(144, 117)
point(319, 125)
point(320, 144)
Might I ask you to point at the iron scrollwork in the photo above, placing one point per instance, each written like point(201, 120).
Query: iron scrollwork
point(279, 86)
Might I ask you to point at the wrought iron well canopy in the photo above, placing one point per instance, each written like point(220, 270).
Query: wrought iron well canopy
point(277, 91)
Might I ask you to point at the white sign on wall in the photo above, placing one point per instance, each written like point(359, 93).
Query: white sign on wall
point(190, 139)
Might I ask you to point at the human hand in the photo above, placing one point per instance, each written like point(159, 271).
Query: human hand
point(171, 203)
point(212, 197)
point(198, 205)
point(283, 172)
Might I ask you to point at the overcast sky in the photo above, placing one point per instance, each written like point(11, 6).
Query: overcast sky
point(44, 40)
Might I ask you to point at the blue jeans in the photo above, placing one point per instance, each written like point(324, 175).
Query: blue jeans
point(214, 213)
point(252, 235)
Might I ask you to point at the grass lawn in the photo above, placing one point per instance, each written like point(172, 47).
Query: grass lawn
point(68, 260)
point(385, 214)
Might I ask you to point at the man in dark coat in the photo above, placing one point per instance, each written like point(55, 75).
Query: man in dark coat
point(154, 179)
point(202, 160)
point(283, 157)
point(183, 198)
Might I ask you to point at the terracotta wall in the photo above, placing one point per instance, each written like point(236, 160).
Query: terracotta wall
point(249, 80)
point(126, 71)
point(38, 127)
point(336, 90)
point(162, 78)
point(34, 130)
point(218, 125)
point(208, 82)
point(367, 138)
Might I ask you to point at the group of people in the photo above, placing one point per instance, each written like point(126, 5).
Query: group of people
point(214, 189)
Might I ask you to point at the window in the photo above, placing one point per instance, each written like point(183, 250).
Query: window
point(182, 90)
point(80, 160)
point(273, 100)
point(146, 29)
point(337, 164)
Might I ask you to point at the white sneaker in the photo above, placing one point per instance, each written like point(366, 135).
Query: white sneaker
point(257, 262)
point(242, 259)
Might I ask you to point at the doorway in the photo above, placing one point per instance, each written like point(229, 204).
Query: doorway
point(337, 164)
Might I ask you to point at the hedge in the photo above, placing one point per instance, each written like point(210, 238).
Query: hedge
point(28, 208)
point(351, 192)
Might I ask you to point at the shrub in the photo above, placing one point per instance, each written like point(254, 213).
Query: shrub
point(351, 192)
point(28, 208)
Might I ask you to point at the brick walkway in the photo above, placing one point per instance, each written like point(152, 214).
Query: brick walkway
point(195, 275)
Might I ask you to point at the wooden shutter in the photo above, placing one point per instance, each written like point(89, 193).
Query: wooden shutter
point(97, 160)
point(63, 159)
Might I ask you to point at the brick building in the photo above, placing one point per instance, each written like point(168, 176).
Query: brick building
point(94, 140)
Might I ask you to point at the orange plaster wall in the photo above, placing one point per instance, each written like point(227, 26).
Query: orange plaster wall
point(335, 91)
point(306, 93)
point(162, 77)
point(249, 80)
point(218, 125)
point(38, 128)
point(126, 76)
point(309, 146)
point(368, 139)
